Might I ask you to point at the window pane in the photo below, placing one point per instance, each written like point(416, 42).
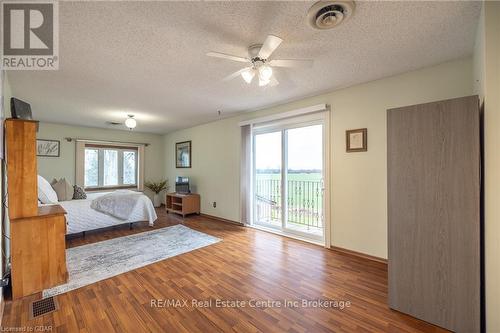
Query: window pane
point(268, 205)
point(110, 172)
point(129, 167)
point(91, 167)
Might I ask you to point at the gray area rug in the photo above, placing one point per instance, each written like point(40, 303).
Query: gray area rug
point(90, 263)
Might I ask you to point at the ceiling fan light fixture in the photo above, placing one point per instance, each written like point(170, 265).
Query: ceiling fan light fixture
point(263, 83)
point(130, 122)
point(248, 75)
point(265, 72)
point(262, 64)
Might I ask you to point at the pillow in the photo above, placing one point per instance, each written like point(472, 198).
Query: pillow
point(46, 193)
point(63, 189)
point(79, 193)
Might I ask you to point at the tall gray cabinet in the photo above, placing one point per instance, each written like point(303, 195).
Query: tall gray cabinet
point(433, 164)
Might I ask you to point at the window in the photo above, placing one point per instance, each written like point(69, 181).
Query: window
point(110, 166)
point(91, 167)
point(129, 168)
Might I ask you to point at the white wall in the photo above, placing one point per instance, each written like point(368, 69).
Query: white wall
point(6, 93)
point(64, 166)
point(359, 194)
point(478, 58)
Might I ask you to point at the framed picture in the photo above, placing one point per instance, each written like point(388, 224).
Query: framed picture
point(47, 148)
point(356, 140)
point(183, 154)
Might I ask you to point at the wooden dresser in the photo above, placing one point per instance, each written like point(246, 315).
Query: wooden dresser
point(37, 234)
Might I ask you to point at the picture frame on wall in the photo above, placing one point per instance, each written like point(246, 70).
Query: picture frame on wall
point(183, 154)
point(356, 140)
point(48, 148)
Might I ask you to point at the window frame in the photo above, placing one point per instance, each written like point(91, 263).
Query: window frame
point(100, 151)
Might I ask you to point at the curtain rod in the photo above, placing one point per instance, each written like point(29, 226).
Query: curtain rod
point(106, 141)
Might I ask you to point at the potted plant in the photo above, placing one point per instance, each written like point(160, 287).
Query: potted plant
point(157, 187)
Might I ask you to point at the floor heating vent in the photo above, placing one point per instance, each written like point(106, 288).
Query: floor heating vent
point(43, 307)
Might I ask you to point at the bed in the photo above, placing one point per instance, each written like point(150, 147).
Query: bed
point(81, 217)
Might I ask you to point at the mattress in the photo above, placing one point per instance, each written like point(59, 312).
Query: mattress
point(80, 217)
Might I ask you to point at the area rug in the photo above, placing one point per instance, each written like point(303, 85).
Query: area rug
point(90, 263)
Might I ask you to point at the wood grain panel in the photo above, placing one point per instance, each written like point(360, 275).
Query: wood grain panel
point(37, 235)
point(38, 252)
point(20, 137)
point(246, 264)
point(434, 212)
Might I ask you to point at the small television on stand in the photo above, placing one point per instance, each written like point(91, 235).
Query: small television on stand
point(20, 109)
point(182, 185)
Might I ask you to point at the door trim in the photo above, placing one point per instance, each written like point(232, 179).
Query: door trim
point(322, 118)
point(326, 177)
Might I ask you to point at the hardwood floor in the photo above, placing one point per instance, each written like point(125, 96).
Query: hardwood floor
point(247, 264)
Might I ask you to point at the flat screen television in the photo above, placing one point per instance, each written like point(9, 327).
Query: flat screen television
point(182, 185)
point(20, 109)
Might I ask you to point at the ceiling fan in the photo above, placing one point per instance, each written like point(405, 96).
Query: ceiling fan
point(259, 62)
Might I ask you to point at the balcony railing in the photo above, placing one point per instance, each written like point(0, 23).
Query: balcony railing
point(304, 204)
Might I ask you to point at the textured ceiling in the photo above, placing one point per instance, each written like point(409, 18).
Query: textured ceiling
point(148, 58)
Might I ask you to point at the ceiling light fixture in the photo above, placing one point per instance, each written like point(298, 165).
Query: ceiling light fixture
point(248, 75)
point(260, 63)
point(263, 83)
point(265, 72)
point(131, 123)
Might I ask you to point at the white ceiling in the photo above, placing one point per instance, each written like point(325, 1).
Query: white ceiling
point(149, 59)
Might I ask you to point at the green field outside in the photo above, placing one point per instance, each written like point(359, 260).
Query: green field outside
point(291, 176)
point(305, 198)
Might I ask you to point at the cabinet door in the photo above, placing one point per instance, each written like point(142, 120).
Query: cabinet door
point(434, 212)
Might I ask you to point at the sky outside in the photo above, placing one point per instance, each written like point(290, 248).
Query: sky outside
point(304, 149)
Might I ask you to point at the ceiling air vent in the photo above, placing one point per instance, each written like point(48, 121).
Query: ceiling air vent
point(329, 14)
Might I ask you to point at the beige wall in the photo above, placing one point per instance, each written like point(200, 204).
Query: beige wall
point(359, 198)
point(487, 53)
point(215, 165)
point(64, 166)
point(478, 59)
point(6, 93)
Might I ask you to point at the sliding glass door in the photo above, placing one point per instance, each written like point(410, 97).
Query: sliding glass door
point(268, 179)
point(288, 179)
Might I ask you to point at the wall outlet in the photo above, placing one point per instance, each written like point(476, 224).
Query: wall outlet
point(214, 204)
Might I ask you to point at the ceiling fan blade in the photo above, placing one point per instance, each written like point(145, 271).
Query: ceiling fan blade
point(235, 74)
point(304, 63)
point(270, 44)
point(227, 56)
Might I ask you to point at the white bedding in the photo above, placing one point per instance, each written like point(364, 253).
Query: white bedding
point(120, 203)
point(81, 217)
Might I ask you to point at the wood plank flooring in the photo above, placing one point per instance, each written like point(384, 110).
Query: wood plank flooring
point(246, 265)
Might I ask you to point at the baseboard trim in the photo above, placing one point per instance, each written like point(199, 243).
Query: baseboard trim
point(287, 235)
point(222, 219)
point(358, 254)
